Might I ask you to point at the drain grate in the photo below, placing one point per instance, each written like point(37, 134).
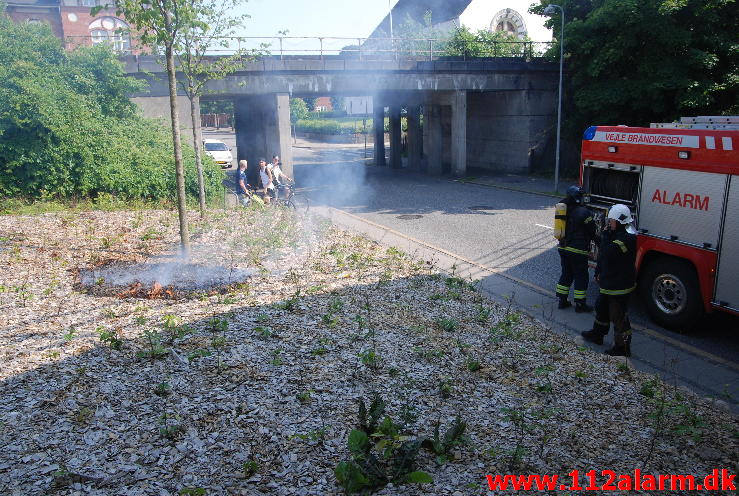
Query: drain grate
point(481, 207)
point(409, 216)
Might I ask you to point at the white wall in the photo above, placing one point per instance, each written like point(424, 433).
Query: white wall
point(480, 12)
point(358, 105)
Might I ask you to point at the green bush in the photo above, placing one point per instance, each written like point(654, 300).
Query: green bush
point(323, 126)
point(68, 129)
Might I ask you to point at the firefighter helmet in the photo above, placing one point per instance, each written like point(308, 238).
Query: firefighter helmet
point(620, 213)
point(575, 192)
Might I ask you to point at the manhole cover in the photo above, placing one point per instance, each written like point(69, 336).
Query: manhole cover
point(481, 207)
point(409, 216)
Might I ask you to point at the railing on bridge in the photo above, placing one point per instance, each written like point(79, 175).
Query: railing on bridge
point(353, 48)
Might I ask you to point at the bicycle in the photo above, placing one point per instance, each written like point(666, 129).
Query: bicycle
point(289, 199)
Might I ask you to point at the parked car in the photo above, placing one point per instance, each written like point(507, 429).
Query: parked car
point(219, 152)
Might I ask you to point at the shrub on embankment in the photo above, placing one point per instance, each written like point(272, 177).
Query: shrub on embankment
point(68, 128)
point(323, 126)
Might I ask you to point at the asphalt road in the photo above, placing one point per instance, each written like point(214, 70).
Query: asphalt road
point(507, 231)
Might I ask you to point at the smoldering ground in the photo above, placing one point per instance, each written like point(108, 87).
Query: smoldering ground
point(228, 247)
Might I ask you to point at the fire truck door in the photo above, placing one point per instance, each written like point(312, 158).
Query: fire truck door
point(727, 279)
point(682, 205)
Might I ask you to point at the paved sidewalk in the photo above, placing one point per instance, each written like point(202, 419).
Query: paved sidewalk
point(523, 183)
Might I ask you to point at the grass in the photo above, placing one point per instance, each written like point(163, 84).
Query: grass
point(106, 203)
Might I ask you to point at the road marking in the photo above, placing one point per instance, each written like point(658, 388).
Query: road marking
point(646, 330)
point(545, 227)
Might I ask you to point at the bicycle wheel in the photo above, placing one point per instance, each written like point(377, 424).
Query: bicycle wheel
point(283, 203)
point(300, 202)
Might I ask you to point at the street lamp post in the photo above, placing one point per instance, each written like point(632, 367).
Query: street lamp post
point(550, 10)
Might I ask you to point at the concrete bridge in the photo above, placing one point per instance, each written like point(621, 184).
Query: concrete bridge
point(492, 113)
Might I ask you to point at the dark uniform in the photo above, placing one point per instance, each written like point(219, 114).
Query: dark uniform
point(616, 274)
point(573, 254)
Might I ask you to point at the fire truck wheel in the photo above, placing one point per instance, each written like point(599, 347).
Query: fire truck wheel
point(669, 288)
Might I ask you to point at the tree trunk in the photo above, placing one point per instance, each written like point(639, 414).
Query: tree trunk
point(197, 137)
point(177, 143)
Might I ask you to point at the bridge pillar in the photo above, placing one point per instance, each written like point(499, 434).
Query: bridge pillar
point(263, 129)
point(378, 122)
point(281, 138)
point(434, 141)
point(459, 133)
point(415, 137)
point(395, 137)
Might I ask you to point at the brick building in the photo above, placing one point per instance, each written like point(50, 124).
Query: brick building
point(323, 104)
point(71, 21)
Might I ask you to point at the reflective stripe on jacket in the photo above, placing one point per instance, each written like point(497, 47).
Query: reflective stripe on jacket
point(616, 268)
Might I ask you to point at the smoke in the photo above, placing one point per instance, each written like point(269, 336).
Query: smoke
point(179, 274)
point(242, 243)
point(333, 174)
point(227, 248)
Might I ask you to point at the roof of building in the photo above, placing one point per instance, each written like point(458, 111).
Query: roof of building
point(441, 11)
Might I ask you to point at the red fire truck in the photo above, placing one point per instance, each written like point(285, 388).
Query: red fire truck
point(681, 181)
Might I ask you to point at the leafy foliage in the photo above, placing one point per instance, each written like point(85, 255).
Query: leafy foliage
point(298, 110)
point(442, 445)
point(381, 453)
point(68, 129)
point(640, 61)
point(384, 451)
point(485, 43)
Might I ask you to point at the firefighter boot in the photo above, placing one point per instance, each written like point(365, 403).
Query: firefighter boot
point(593, 336)
point(621, 345)
point(563, 302)
point(582, 307)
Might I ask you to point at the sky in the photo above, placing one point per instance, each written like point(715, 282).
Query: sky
point(349, 19)
point(340, 18)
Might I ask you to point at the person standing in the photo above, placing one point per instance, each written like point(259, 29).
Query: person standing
point(616, 274)
point(242, 186)
point(265, 177)
point(278, 175)
point(573, 251)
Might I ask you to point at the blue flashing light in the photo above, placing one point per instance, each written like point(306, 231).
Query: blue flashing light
point(589, 133)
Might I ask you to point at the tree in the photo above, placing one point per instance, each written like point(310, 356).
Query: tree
point(485, 43)
point(158, 23)
point(338, 103)
point(192, 43)
point(217, 107)
point(310, 101)
point(640, 61)
point(68, 128)
point(298, 111)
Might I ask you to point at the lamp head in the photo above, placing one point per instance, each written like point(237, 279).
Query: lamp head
point(550, 9)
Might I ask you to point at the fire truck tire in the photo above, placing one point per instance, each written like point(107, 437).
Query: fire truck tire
point(669, 288)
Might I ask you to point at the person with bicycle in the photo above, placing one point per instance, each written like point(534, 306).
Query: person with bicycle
point(278, 175)
point(242, 186)
point(265, 177)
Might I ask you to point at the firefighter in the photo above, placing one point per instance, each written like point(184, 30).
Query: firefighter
point(616, 274)
point(573, 251)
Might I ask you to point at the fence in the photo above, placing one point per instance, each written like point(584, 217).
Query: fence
point(216, 120)
point(353, 48)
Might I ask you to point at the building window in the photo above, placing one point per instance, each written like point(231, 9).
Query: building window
point(83, 3)
point(113, 31)
point(506, 26)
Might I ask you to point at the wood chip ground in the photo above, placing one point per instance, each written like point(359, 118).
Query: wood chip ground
point(279, 384)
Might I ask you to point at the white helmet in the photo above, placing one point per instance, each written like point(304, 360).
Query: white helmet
point(621, 214)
